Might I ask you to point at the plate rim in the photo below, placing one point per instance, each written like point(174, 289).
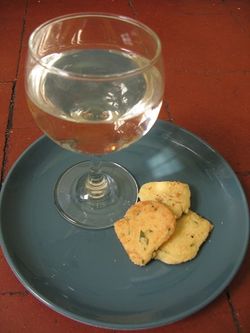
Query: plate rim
point(111, 325)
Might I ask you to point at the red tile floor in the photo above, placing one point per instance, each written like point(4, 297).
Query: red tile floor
point(207, 59)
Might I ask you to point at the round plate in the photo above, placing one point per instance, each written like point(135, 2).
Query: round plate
point(85, 274)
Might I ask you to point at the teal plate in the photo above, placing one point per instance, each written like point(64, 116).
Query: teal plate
point(85, 274)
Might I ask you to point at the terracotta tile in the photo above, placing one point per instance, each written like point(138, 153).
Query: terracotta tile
point(240, 11)
point(21, 116)
point(215, 107)
point(11, 18)
point(197, 36)
point(38, 10)
point(12, 9)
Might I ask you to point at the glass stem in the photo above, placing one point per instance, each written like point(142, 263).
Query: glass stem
point(96, 184)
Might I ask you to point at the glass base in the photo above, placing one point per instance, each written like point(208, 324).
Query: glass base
point(77, 206)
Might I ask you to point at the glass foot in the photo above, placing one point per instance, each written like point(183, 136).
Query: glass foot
point(95, 204)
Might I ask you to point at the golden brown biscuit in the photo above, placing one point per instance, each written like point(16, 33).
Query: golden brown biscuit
point(175, 195)
point(190, 232)
point(143, 229)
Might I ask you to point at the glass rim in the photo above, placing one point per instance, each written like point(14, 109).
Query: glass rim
point(117, 17)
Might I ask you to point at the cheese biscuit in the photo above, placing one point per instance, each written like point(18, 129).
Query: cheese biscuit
point(191, 231)
point(175, 195)
point(144, 228)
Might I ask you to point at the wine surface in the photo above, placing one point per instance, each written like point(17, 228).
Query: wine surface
point(89, 114)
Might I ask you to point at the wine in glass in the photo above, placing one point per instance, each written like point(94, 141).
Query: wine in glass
point(94, 85)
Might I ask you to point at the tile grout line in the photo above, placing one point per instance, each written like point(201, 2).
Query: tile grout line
point(132, 6)
point(233, 312)
point(14, 293)
point(12, 101)
point(7, 133)
point(167, 108)
point(7, 81)
point(21, 37)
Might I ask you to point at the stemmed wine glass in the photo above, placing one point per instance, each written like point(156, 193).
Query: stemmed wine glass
point(94, 84)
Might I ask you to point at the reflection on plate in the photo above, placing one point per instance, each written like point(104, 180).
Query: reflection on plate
point(85, 274)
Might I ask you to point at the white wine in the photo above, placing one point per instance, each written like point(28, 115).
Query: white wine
point(89, 114)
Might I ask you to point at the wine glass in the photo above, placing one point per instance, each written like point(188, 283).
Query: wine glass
point(94, 84)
